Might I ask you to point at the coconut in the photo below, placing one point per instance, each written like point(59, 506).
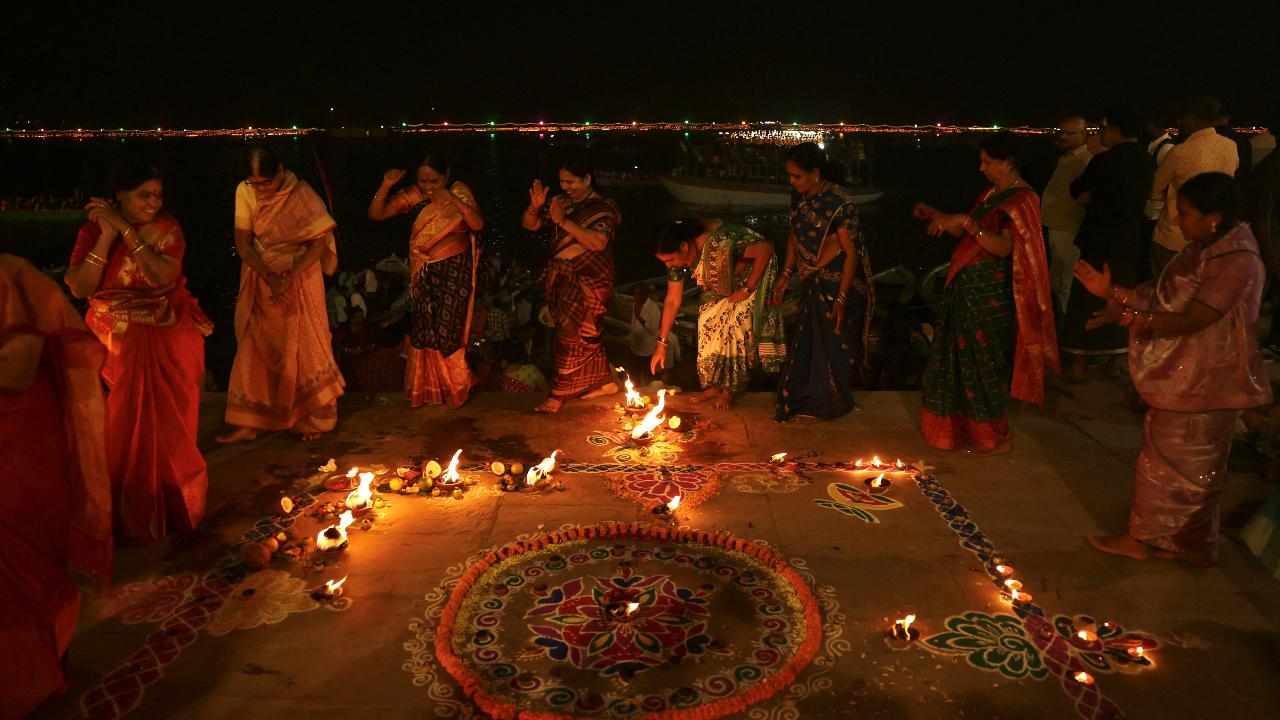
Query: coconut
point(498, 468)
point(432, 469)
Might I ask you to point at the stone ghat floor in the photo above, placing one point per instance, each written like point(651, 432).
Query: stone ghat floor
point(180, 635)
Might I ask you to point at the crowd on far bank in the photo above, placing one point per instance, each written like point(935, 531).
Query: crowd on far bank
point(1146, 251)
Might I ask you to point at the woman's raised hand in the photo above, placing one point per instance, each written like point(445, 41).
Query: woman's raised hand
point(392, 176)
point(537, 195)
point(1098, 283)
point(557, 209)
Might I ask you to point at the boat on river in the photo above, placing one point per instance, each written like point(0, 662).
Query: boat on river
point(736, 193)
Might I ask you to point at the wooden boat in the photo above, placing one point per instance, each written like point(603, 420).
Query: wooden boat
point(726, 193)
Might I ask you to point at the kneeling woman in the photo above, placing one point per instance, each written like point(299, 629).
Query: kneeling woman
point(738, 329)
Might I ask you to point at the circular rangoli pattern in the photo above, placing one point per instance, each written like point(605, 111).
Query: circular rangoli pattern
point(619, 620)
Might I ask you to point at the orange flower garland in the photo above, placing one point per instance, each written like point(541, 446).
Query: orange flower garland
point(613, 530)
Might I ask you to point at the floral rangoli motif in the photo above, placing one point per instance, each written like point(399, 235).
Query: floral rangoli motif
point(586, 622)
point(649, 488)
point(857, 503)
point(996, 643)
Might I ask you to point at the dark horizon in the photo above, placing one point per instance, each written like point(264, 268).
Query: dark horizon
point(149, 66)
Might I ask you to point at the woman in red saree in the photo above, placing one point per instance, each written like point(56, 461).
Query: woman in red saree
point(57, 494)
point(995, 307)
point(284, 376)
point(579, 279)
point(128, 262)
point(443, 259)
point(1194, 358)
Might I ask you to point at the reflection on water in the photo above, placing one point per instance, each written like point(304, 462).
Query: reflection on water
point(202, 174)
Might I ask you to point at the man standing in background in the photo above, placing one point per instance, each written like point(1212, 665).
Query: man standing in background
point(1202, 150)
point(1062, 214)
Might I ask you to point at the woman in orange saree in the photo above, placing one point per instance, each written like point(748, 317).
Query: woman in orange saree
point(995, 336)
point(57, 494)
point(443, 259)
point(128, 262)
point(284, 376)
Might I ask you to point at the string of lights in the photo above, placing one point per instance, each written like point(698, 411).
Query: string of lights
point(743, 130)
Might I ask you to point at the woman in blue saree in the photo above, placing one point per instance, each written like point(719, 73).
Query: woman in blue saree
point(825, 248)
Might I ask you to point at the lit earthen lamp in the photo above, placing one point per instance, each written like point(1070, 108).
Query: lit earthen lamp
point(901, 631)
point(879, 482)
point(334, 537)
point(634, 403)
point(1083, 678)
point(777, 458)
point(361, 499)
point(541, 473)
point(642, 434)
point(330, 591)
point(668, 509)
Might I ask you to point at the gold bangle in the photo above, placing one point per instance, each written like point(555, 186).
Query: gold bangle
point(93, 259)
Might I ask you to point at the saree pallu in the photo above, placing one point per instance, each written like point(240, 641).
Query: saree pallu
point(578, 291)
point(993, 309)
point(442, 295)
point(284, 376)
point(57, 508)
point(966, 385)
point(1181, 474)
point(733, 337)
point(155, 366)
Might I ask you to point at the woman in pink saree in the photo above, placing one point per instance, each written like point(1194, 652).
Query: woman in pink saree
point(284, 376)
point(1194, 358)
point(443, 260)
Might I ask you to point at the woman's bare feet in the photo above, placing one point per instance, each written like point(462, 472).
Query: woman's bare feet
point(705, 395)
point(722, 399)
point(238, 434)
point(1123, 545)
point(550, 405)
point(608, 388)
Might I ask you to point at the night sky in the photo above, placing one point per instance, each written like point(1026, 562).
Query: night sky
point(265, 64)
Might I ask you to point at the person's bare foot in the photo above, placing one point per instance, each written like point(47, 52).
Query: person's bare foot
point(239, 434)
point(608, 388)
point(722, 399)
point(550, 405)
point(1123, 545)
point(705, 395)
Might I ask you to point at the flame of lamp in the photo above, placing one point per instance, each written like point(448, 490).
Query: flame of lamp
point(542, 470)
point(1004, 570)
point(1137, 651)
point(450, 476)
point(1086, 636)
point(653, 419)
point(1013, 584)
point(673, 503)
point(1083, 678)
point(778, 457)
